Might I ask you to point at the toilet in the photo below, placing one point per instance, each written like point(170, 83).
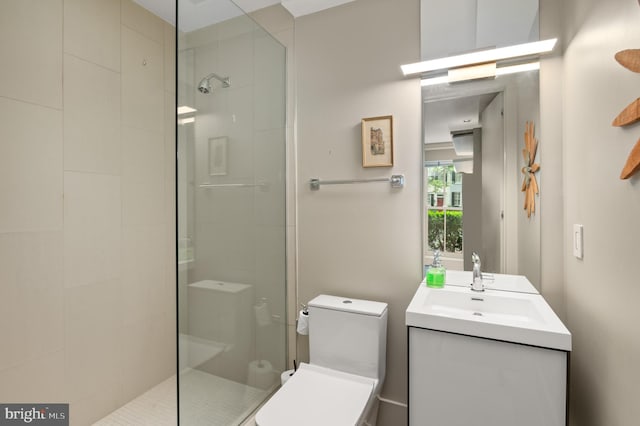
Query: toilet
point(346, 370)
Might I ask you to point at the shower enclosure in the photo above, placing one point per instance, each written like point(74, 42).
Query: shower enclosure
point(231, 213)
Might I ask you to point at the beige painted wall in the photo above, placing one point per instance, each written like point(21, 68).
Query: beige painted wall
point(360, 241)
point(602, 290)
point(586, 88)
point(550, 154)
point(87, 300)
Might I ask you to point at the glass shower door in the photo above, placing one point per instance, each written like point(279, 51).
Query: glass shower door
point(231, 213)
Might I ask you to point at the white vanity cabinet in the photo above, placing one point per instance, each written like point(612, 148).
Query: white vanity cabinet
point(461, 380)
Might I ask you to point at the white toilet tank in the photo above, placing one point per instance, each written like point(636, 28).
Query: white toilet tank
point(348, 335)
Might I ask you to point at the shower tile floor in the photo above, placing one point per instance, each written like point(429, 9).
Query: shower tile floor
point(205, 399)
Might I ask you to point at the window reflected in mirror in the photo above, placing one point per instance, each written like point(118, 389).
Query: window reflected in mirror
point(443, 208)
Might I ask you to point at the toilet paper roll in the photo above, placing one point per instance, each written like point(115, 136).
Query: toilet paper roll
point(303, 323)
point(262, 314)
point(261, 374)
point(286, 375)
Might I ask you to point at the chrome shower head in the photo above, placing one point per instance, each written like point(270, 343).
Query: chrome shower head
point(205, 85)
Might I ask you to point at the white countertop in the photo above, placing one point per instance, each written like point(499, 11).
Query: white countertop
point(518, 314)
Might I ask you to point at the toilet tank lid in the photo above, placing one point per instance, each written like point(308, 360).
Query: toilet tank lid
point(346, 304)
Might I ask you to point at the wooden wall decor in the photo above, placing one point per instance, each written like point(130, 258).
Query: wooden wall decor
point(630, 59)
point(529, 184)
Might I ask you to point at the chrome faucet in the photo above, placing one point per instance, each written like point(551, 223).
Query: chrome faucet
point(476, 284)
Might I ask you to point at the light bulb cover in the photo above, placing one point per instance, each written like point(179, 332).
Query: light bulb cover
point(481, 56)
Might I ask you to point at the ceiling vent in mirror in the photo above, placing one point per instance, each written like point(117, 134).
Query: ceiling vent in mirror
point(463, 166)
point(463, 144)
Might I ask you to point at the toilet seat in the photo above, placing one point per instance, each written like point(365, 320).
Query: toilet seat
point(318, 396)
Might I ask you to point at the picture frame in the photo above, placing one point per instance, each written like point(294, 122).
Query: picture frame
point(377, 141)
point(218, 156)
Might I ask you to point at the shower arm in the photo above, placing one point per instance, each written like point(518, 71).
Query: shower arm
point(224, 80)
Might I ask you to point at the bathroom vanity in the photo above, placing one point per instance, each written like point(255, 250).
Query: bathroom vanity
point(497, 357)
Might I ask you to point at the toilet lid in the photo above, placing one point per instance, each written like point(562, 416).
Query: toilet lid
point(317, 396)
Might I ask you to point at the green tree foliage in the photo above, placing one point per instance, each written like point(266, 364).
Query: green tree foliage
point(437, 182)
point(436, 229)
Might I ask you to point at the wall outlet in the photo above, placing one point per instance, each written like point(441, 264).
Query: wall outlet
point(577, 241)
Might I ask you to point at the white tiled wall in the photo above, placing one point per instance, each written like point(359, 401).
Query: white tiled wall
point(31, 46)
point(87, 270)
point(92, 228)
point(92, 31)
point(91, 117)
point(30, 165)
point(31, 303)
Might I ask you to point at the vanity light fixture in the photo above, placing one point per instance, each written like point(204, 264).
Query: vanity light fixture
point(472, 72)
point(434, 80)
point(482, 56)
point(512, 69)
point(529, 66)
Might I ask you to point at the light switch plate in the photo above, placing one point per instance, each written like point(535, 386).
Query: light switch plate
point(577, 241)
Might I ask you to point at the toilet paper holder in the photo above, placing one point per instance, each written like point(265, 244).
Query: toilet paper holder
point(302, 326)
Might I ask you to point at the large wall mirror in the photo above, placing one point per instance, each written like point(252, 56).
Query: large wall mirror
point(473, 136)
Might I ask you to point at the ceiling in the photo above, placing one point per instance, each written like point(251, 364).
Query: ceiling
point(195, 14)
point(443, 116)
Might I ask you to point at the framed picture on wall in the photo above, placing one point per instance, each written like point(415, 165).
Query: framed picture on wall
point(377, 141)
point(218, 156)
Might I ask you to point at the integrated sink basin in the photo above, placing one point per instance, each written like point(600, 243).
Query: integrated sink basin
point(492, 307)
point(510, 316)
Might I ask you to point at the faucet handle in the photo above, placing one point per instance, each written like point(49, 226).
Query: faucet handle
point(475, 258)
point(487, 278)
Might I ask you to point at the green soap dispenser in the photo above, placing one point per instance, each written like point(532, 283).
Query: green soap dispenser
point(436, 272)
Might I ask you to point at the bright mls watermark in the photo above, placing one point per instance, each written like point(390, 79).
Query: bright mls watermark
point(34, 414)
